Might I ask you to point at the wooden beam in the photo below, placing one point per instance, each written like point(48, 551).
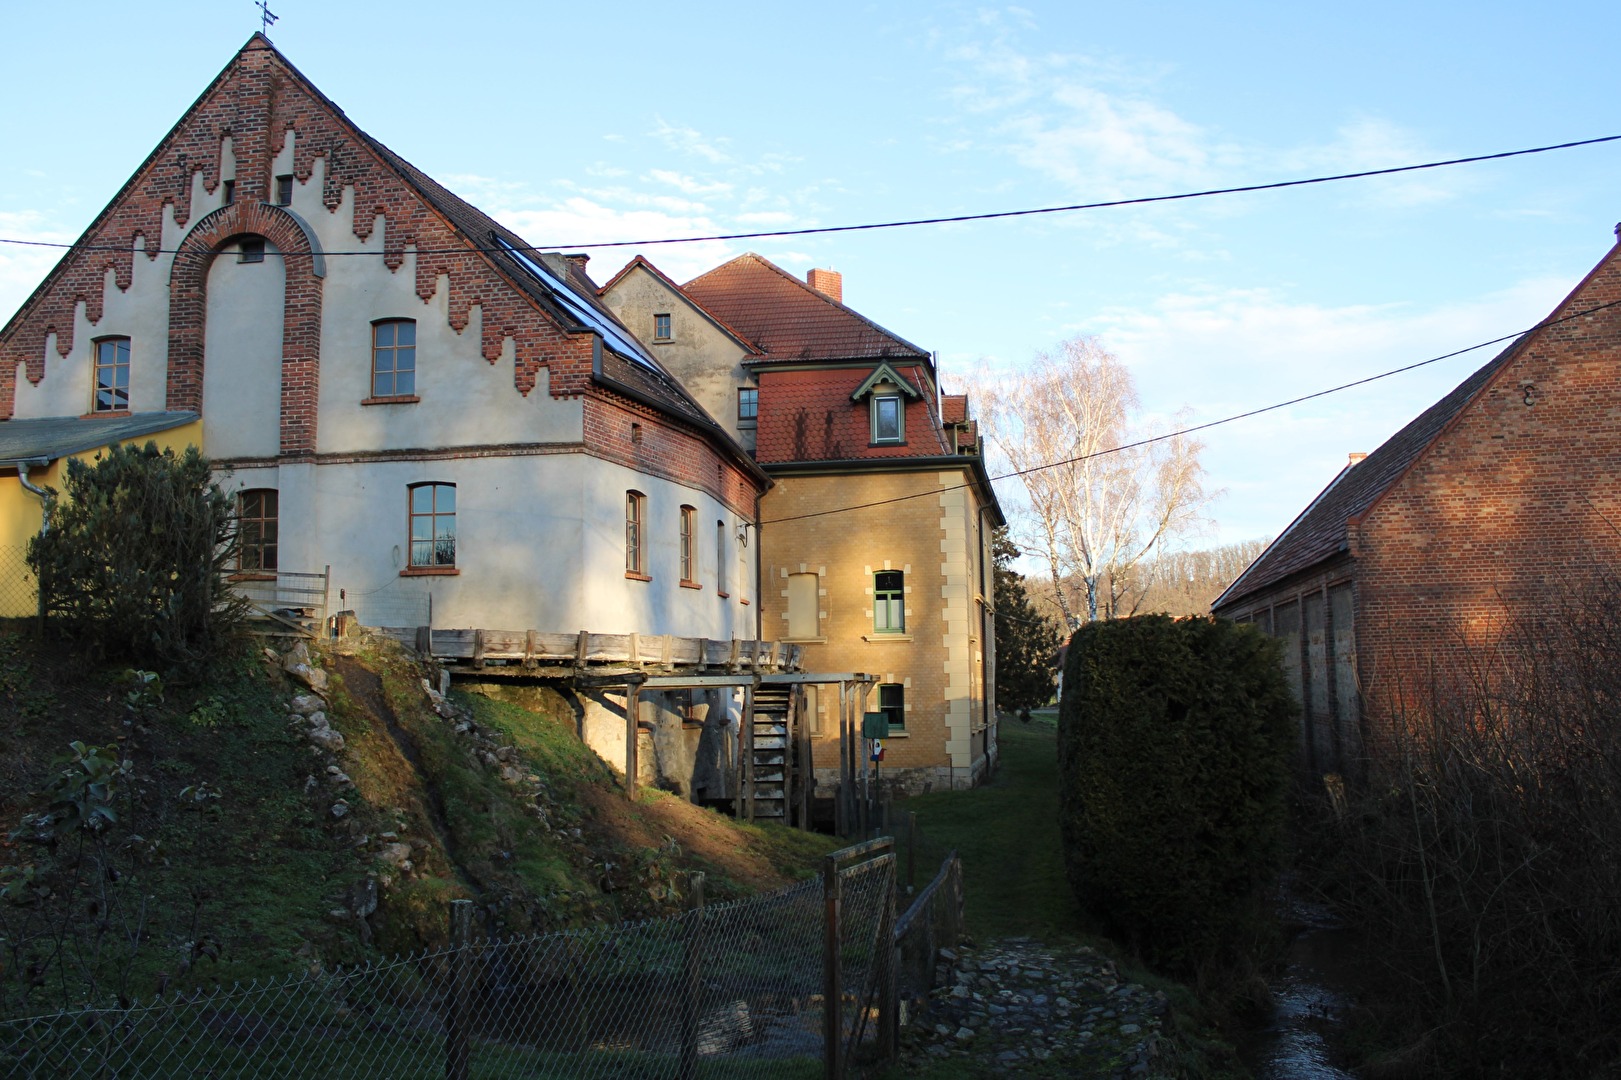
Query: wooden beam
point(748, 751)
point(633, 709)
point(581, 648)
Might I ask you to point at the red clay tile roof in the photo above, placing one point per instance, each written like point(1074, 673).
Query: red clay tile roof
point(953, 408)
point(788, 319)
point(1319, 533)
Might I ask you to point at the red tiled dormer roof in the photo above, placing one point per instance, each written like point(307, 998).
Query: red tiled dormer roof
point(953, 408)
point(788, 319)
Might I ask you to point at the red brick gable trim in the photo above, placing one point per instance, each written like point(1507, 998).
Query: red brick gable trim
point(257, 100)
point(301, 319)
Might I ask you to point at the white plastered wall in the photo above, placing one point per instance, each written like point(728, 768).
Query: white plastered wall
point(140, 313)
point(242, 347)
point(539, 545)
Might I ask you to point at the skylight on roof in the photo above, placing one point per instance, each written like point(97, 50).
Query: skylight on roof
point(617, 338)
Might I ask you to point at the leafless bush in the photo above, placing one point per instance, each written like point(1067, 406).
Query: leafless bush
point(1483, 854)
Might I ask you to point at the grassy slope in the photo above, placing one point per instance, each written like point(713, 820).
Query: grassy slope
point(253, 883)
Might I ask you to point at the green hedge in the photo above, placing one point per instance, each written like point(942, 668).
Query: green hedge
point(1174, 742)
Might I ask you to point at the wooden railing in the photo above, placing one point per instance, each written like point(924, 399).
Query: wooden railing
point(536, 648)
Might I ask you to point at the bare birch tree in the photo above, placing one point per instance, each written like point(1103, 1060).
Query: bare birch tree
point(1097, 505)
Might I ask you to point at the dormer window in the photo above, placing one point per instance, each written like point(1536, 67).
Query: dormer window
point(661, 327)
point(886, 393)
point(888, 419)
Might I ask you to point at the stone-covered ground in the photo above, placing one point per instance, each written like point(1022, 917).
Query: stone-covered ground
point(1017, 1007)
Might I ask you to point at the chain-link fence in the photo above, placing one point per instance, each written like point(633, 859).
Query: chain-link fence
point(19, 589)
point(731, 990)
point(398, 602)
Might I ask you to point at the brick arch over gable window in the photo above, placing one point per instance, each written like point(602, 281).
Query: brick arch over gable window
point(301, 329)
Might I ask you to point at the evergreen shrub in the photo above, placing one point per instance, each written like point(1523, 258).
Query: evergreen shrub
point(133, 564)
point(1174, 743)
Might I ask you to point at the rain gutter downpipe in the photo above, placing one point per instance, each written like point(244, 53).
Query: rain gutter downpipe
point(46, 501)
point(23, 465)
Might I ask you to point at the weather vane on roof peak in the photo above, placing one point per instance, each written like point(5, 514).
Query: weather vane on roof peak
point(267, 18)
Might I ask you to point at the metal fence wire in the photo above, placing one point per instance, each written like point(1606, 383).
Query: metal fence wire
point(733, 990)
point(19, 589)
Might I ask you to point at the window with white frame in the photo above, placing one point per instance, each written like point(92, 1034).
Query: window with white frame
point(888, 419)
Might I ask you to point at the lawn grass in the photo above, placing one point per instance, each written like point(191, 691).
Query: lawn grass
point(1006, 833)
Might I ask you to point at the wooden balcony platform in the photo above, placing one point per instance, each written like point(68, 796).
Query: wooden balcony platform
point(538, 653)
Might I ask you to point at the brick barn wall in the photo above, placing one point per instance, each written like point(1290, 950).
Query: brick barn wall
point(1514, 506)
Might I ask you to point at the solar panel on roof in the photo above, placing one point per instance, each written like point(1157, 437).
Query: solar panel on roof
point(616, 337)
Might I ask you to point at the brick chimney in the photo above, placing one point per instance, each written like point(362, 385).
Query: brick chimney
point(579, 259)
point(1356, 457)
point(830, 283)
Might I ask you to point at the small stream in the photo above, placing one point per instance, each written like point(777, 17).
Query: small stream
point(1311, 995)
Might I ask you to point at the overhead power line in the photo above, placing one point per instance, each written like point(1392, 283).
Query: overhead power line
point(1196, 428)
point(913, 222)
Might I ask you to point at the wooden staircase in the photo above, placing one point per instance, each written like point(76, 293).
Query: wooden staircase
point(769, 762)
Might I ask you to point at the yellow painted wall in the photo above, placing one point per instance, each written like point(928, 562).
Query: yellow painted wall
point(930, 535)
point(20, 516)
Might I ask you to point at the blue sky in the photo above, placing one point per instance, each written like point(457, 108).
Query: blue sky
point(597, 123)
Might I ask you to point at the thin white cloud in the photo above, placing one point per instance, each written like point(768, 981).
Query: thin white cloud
point(686, 140)
point(689, 185)
point(22, 268)
point(1229, 350)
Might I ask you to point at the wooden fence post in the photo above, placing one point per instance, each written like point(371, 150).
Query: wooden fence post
point(832, 972)
point(692, 999)
point(748, 751)
point(911, 852)
point(633, 708)
point(461, 990)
